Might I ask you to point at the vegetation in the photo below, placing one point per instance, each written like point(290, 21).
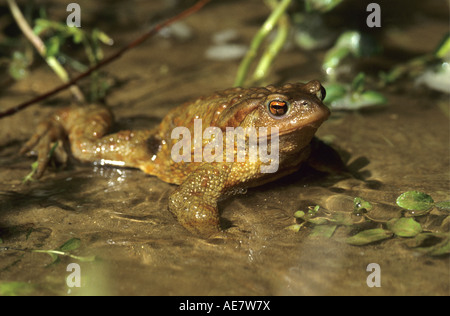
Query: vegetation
point(368, 230)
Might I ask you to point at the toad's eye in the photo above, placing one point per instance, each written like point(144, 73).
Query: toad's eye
point(278, 107)
point(321, 94)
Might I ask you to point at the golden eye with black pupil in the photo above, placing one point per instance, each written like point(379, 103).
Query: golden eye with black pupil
point(278, 107)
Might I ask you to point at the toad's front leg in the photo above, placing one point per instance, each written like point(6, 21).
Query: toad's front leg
point(194, 202)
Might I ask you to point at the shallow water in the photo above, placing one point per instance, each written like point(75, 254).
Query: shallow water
point(120, 215)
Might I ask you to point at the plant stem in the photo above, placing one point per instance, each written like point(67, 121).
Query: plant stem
point(274, 48)
point(265, 29)
point(40, 47)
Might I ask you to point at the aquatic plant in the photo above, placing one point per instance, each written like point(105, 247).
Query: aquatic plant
point(414, 203)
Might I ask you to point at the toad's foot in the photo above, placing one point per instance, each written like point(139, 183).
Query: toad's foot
point(194, 203)
point(47, 133)
point(195, 215)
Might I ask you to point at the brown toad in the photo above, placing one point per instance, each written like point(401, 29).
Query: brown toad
point(295, 109)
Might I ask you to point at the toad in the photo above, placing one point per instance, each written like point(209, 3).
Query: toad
point(296, 110)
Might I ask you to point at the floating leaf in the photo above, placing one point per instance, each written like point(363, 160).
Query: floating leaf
point(299, 214)
point(319, 220)
point(70, 245)
point(404, 227)
point(441, 249)
point(439, 245)
point(426, 240)
point(369, 236)
point(323, 230)
point(443, 205)
point(415, 201)
point(360, 205)
point(342, 218)
point(295, 227)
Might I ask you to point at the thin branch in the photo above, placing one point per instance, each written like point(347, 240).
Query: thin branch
point(197, 6)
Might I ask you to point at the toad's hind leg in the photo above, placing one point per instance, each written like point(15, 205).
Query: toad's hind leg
point(86, 129)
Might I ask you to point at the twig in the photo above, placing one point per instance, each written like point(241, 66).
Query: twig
point(197, 6)
point(40, 47)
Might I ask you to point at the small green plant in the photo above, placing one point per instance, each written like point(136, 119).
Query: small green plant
point(54, 35)
point(342, 96)
point(64, 250)
point(414, 204)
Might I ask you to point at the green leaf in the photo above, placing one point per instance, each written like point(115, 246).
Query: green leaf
point(29, 177)
point(40, 25)
point(439, 245)
point(299, 214)
point(52, 46)
point(404, 227)
point(70, 245)
point(415, 201)
point(443, 205)
point(323, 230)
point(342, 218)
point(319, 220)
point(335, 91)
point(359, 82)
point(360, 205)
point(369, 236)
point(371, 98)
point(334, 57)
point(102, 37)
point(78, 37)
point(444, 47)
point(441, 249)
point(295, 227)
